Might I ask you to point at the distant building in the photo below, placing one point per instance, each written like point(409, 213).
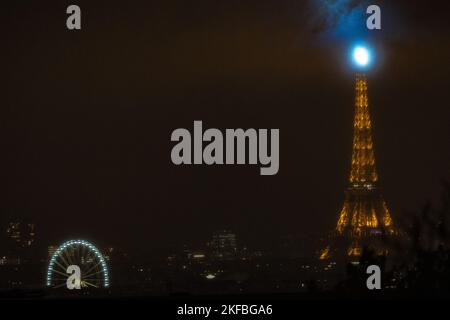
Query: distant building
point(198, 256)
point(21, 234)
point(17, 242)
point(223, 245)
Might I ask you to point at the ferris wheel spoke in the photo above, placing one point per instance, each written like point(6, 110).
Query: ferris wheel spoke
point(81, 254)
point(60, 273)
point(62, 267)
point(90, 284)
point(92, 274)
point(93, 280)
point(65, 261)
point(68, 256)
point(92, 268)
point(75, 254)
point(85, 267)
point(83, 251)
point(87, 256)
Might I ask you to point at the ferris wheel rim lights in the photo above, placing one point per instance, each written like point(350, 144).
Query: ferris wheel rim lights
point(83, 243)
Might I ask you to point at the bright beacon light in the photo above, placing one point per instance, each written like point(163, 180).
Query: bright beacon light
point(361, 56)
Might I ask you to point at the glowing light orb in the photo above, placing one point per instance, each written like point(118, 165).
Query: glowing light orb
point(361, 56)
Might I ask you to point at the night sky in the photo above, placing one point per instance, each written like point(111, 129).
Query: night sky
point(86, 116)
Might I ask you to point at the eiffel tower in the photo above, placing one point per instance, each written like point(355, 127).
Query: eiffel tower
point(364, 219)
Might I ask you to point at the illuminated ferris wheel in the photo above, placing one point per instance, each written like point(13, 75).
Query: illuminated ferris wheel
point(77, 264)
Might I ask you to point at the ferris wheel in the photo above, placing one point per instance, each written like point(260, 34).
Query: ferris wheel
point(77, 264)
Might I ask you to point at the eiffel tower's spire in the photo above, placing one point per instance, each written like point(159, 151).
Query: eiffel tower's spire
point(363, 169)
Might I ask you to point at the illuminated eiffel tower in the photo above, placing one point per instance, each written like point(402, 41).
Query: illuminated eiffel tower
point(364, 219)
